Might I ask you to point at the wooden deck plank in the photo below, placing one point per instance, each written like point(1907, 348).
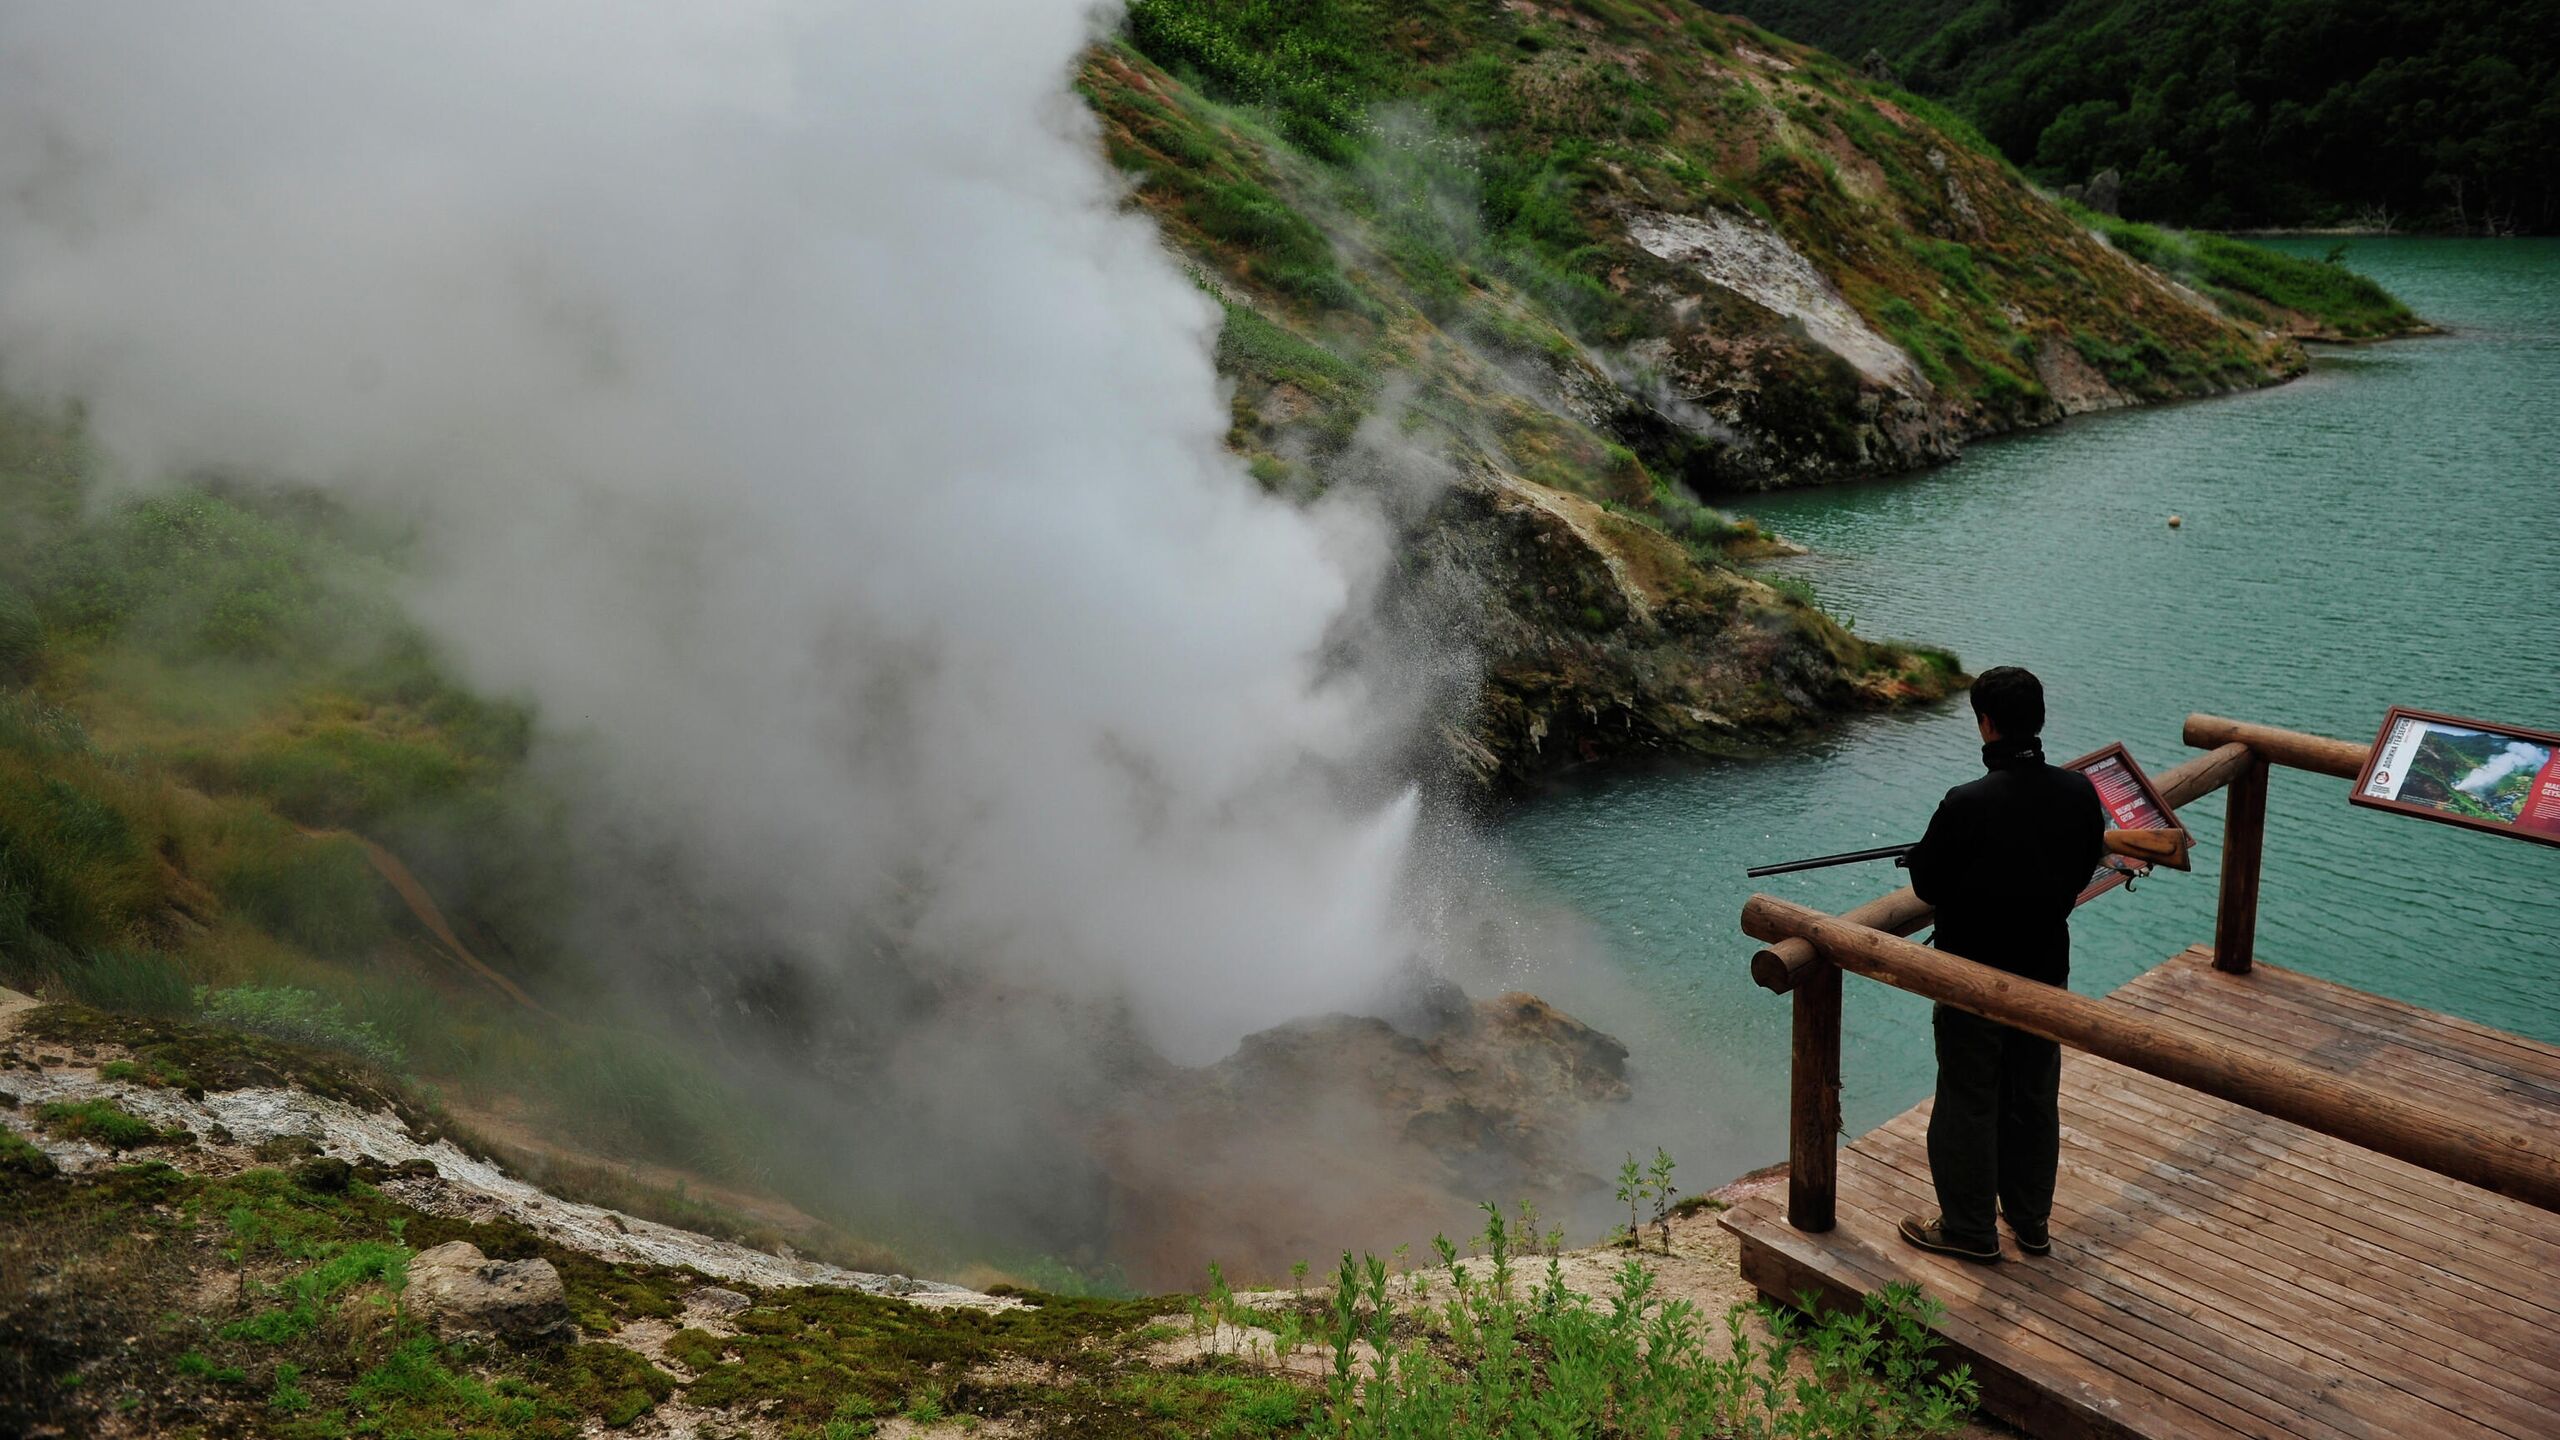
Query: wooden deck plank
point(2355, 1225)
point(2491, 1045)
point(2221, 1273)
point(2187, 1219)
point(2313, 1313)
point(2242, 1272)
point(2275, 1011)
point(2429, 1218)
point(2434, 1217)
point(2135, 1336)
point(2372, 1057)
point(2253, 1343)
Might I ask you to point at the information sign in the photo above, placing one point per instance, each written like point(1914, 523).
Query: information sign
point(2465, 772)
point(2132, 803)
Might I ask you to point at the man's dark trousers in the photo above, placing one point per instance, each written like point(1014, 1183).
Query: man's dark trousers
point(1995, 1136)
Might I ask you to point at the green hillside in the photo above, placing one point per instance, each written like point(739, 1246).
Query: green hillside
point(1613, 260)
point(2417, 113)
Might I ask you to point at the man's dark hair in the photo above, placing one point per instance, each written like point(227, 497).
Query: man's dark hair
point(2012, 699)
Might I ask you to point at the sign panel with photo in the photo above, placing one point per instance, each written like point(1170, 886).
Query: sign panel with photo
point(2465, 772)
point(2132, 803)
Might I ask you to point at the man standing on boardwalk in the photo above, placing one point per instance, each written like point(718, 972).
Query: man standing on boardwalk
point(2004, 861)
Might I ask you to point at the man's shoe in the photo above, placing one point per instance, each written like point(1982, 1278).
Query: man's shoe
point(1928, 1236)
point(2035, 1240)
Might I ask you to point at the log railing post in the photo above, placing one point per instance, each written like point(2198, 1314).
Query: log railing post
point(1813, 1110)
point(2244, 834)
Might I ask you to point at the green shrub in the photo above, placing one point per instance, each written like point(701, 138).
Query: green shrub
point(285, 1012)
point(629, 1093)
point(1795, 589)
point(342, 1267)
point(1250, 344)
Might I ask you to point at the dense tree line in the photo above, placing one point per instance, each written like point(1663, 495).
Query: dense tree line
point(2226, 113)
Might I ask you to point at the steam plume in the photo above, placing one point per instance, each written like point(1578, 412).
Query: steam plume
point(784, 400)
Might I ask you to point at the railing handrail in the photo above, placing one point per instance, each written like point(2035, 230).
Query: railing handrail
point(2509, 1161)
point(2294, 749)
point(1780, 968)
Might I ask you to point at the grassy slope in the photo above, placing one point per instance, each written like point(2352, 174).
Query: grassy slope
point(205, 690)
point(1474, 164)
point(1416, 217)
point(2242, 112)
point(202, 1300)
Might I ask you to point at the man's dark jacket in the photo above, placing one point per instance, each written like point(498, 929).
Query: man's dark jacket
point(2006, 856)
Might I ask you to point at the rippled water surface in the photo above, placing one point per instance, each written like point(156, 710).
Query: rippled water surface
point(2385, 530)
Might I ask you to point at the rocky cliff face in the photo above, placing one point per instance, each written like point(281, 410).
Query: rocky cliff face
point(1551, 277)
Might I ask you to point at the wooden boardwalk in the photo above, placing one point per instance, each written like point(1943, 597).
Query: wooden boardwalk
point(2218, 1272)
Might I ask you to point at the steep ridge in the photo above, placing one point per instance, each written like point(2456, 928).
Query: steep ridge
point(1639, 256)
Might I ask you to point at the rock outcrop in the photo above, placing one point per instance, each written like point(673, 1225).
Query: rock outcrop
point(1359, 1131)
point(462, 1294)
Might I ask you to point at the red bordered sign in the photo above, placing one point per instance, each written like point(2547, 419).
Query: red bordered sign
point(2132, 803)
point(2471, 773)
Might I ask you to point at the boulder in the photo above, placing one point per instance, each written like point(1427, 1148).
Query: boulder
point(1877, 68)
point(324, 1176)
point(717, 1300)
point(461, 1293)
point(2105, 192)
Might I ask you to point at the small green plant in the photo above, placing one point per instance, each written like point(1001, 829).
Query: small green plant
point(194, 1365)
point(1631, 1193)
point(102, 1122)
point(156, 1071)
point(288, 1397)
point(1493, 1361)
point(19, 1156)
point(1658, 1183)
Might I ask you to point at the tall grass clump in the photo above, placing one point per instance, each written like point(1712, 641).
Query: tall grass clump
point(1495, 1358)
point(304, 1017)
point(77, 840)
point(130, 982)
point(320, 893)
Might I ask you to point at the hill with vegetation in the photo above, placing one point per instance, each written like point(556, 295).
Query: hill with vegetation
point(2435, 114)
point(1606, 263)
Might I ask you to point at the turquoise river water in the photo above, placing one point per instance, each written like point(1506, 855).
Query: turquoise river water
point(2385, 530)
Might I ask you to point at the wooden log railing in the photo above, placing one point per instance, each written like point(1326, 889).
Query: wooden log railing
point(1806, 948)
point(2510, 1161)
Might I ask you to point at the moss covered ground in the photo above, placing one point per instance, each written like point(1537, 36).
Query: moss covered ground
point(264, 1303)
